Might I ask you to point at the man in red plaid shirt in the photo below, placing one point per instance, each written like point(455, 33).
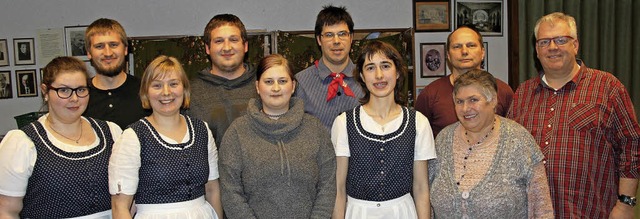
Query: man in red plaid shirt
point(584, 122)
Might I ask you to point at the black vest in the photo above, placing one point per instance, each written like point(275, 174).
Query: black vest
point(171, 173)
point(380, 166)
point(68, 184)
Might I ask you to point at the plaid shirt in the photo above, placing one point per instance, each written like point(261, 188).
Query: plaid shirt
point(589, 135)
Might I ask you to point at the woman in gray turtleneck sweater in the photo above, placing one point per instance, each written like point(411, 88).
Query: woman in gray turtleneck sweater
point(276, 161)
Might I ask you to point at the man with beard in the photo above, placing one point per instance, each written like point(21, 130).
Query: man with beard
point(220, 93)
point(328, 87)
point(113, 93)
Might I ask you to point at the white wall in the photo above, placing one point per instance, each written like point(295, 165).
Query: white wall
point(20, 19)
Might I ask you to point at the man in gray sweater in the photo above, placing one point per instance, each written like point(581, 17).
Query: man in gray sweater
point(220, 93)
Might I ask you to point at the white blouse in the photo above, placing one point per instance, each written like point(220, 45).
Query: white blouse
point(125, 161)
point(425, 144)
point(18, 156)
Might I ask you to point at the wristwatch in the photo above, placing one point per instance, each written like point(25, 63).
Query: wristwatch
point(627, 200)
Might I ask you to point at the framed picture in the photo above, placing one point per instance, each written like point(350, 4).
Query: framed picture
point(74, 42)
point(485, 62)
point(486, 16)
point(433, 60)
point(24, 52)
point(26, 81)
point(431, 15)
point(4, 54)
point(6, 90)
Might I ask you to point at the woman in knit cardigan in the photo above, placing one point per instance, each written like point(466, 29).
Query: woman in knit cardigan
point(276, 161)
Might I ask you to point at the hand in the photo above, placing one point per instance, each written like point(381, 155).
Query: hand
point(621, 210)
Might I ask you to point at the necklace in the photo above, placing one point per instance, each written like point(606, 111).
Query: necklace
point(273, 116)
point(468, 154)
point(75, 140)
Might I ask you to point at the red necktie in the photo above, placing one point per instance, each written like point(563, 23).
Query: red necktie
point(338, 80)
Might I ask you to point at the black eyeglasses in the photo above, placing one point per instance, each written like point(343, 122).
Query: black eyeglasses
point(65, 92)
point(561, 40)
point(343, 35)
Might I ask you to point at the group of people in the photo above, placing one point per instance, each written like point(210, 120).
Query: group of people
point(335, 140)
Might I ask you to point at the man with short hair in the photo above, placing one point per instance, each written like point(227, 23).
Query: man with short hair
point(584, 122)
point(220, 93)
point(328, 88)
point(113, 93)
point(465, 51)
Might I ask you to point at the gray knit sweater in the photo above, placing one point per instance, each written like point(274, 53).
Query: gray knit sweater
point(218, 101)
point(281, 168)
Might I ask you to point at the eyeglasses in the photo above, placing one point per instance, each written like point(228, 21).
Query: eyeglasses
point(343, 35)
point(561, 40)
point(65, 92)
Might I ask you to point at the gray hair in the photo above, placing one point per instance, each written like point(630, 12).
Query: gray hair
point(553, 18)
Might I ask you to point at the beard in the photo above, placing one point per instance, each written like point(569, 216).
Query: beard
point(228, 68)
point(106, 71)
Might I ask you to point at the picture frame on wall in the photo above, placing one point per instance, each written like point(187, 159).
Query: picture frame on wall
point(24, 51)
point(485, 62)
point(74, 42)
point(4, 53)
point(486, 16)
point(6, 90)
point(26, 83)
point(432, 15)
point(433, 60)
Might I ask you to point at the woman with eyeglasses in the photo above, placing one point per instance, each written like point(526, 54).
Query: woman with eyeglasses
point(56, 167)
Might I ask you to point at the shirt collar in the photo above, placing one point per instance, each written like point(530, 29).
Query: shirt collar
point(575, 80)
point(324, 71)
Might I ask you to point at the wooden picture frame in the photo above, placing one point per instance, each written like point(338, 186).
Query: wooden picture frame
point(26, 83)
point(74, 42)
point(6, 90)
point(433, 60)
point(24, 52)
point(432, 15)
point(4, 53)
point(486, 16)
point(485, 62)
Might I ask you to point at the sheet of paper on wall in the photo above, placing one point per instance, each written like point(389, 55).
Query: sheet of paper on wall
point(50, 44)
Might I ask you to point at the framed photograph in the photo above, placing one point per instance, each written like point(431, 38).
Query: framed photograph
point(485, 62)
point(433, 60)
point(4, 54)
point(486, 16)
point(6, 90)
point(74, 42)
point(26, 81)
point(24, 51)
point(431, 15)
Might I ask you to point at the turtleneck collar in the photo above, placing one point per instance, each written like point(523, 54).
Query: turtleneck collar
point(277, 129)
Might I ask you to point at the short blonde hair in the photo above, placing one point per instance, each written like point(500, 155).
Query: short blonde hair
point(158, 68)
point(103, 26)
point(553, 18)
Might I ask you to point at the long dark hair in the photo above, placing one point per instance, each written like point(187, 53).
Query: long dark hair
point(379, 47)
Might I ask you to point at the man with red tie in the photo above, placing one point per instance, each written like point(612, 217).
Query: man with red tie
point(327, 87)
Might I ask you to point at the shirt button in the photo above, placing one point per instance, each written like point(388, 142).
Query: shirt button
point(378, 205)
point(109, 93)
point(546, 143)
point(381, 172)
point(381, 149)
point(381, 161)
point(544, 162)
point(549, 125)
point(552, 109)
point(555, 92)
point(110, 105)
point(382, 138)
point(465, 195)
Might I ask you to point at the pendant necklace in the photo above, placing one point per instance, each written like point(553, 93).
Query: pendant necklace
point(75, 140)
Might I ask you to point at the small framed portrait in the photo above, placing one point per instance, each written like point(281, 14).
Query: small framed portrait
point(26, 81)
point(24, 51)
point(431, 15)
point(4, 54)
point(486, 16)
point(74, 42)
point(6, 90)
point(485, 62)
point(433, 59)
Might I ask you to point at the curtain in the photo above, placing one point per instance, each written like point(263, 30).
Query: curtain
point(608, 31)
